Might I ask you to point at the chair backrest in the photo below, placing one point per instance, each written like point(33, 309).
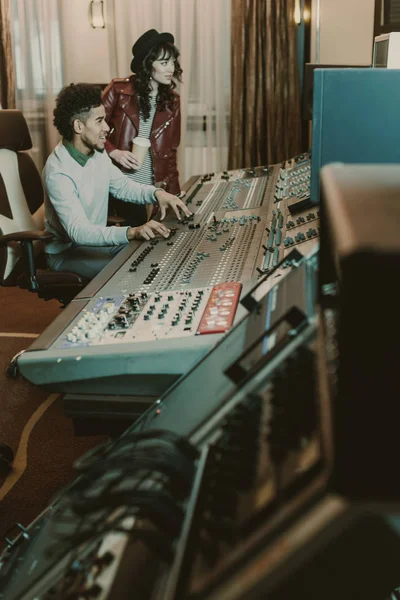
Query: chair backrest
point(21, 191)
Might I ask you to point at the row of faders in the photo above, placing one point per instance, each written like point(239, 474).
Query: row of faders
point(294, 183)
point(275, 235)
point(287, 231)
point(294, 220)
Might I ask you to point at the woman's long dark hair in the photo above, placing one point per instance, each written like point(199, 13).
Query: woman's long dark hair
point(165, 97)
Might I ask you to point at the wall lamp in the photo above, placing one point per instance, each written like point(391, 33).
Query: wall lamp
point(97, 14)
point(297, 12)
point(297, 16)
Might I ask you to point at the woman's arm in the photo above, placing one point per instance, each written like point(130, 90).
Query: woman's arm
point(110, 100)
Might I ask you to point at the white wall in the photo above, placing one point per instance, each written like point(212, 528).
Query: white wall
point(342, 32)
point(87, 53)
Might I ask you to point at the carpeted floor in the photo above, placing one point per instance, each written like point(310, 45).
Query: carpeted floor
point(32, 420)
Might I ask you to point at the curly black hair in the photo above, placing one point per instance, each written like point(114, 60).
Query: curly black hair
point(142, 80)
point(74, 102)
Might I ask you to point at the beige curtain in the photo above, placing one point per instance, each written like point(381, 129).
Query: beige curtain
point(38, 68)
point(265, 100)
point(7, 80)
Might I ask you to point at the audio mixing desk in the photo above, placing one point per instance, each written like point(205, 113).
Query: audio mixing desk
point(161, 305)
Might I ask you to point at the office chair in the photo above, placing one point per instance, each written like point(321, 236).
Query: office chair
point(22, 233)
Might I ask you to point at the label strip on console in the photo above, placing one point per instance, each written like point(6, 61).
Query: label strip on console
point(221, 307)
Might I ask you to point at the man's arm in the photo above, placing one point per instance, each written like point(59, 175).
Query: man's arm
point(67, 206)
point(124, 188)
point(125, 158)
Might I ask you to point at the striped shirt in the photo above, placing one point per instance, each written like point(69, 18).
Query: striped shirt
point(145, 174)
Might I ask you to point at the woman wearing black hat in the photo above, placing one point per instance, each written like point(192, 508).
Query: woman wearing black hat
point(146, 105)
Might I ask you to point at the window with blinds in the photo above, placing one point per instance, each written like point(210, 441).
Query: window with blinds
point(387, 16)
point(391, 9)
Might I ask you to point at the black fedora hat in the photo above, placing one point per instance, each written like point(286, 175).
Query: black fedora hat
point(145, 43)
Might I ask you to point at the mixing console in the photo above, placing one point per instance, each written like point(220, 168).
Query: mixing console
point(236, 232)
point(244, 188)
point(141, 323)
point(225, 249)
point(149, 317)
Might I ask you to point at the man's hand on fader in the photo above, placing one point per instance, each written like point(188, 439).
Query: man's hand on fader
point(166, 200)
point(148, 231)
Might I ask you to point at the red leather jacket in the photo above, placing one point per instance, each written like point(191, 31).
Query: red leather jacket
point(122, 115)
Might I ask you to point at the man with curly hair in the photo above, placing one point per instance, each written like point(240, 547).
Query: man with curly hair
point(78, 178)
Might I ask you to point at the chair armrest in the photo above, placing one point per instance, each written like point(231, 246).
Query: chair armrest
point(115, 220)
point(26, 236)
